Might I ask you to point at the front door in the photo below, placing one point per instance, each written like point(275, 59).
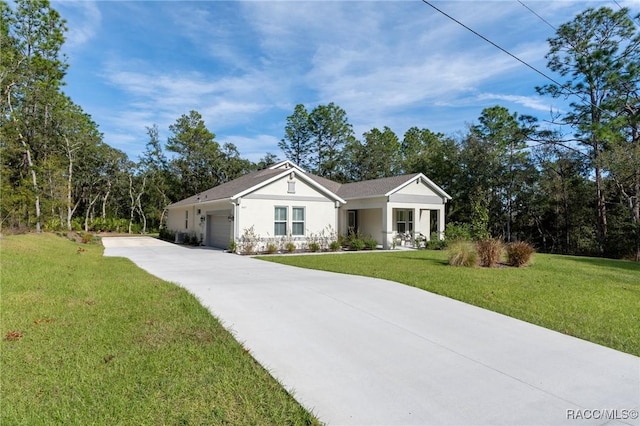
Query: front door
point(352, 221)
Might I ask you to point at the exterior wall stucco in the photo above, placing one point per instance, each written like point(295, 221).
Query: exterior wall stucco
point(258, 208)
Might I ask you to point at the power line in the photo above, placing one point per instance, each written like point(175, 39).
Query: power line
point(562, 86)
point(541, 18)
point(494, 44)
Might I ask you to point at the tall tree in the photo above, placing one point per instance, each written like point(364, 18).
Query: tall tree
point(154, 166)
point(330, 131)
point(198, 159)
point(31, 73)
point(378, 156)
point(297, 144)
point(78, 135)
point(595, 50)
point(496, 165)
point(433, 154)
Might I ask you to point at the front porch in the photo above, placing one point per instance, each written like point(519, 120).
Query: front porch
point(395, 224)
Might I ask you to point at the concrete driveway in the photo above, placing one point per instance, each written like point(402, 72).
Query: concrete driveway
point(363, 351)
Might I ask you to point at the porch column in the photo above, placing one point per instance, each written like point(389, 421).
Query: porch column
point(425, 223)
point(416, 222)
point(441, 223)
point(387, 226)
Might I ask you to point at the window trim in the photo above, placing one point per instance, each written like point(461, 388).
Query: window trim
point(407, 220)
point(294, 221)
point(277, 221)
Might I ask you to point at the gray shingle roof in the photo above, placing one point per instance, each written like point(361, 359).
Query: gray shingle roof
point(364, 189)
point(372, 188)
point(231, 188)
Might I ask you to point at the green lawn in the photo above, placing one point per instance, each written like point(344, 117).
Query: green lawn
point(591, 298)
point(94, 340)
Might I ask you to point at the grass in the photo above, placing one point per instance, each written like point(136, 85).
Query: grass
point(94, 340)
point(593, 299)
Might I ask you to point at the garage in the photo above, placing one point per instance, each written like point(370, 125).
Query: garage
point(218, 229)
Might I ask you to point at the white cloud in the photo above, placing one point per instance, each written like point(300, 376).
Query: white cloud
point(244, 65)
point(83, 21)
point(537, 103)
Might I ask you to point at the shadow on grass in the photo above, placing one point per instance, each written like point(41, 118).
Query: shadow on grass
point(607, 263)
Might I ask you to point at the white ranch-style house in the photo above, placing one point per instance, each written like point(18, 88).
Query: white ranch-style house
point(284, 201)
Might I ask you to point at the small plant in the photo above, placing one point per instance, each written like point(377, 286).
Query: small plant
point(463, 253)
point(249, 241)
point(370, 243)
point(519, 253)
point(343, 240)
point(435, 243)
point(233, 246)
point(489, 252)
point(87, 238)
point(356, 244)
point(290, 247)
point(272, 248)
point(334, 246)
point(314, 247)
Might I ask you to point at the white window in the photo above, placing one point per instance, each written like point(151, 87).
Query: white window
point(297, 221)
point(291, 189)
point(280, 221)
point(404, 221)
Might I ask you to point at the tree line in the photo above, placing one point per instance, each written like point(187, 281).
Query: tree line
point(567, 185)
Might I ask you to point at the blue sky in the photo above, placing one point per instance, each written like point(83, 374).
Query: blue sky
point(245, 65)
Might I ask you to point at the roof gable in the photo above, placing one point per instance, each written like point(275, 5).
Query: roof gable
point(248, 183)
point(384, 187)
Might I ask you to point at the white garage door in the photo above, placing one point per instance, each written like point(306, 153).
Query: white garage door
point(218, 229)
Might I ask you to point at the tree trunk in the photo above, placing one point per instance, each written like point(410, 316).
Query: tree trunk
point(69, 202)
point(88, 212)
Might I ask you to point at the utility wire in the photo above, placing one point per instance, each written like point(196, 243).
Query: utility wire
point(541, 18)
point(494, 44)
point(562, 86)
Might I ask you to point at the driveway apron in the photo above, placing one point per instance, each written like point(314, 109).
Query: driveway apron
point(364, 351)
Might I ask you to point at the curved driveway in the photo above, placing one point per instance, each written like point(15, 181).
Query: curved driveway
point(363, 351)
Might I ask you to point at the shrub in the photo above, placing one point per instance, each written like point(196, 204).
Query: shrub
point(272, 248)
point(356, 244)
point(314, 247)
point(463, 253)
point(370, 243)
point(519, 253)
point(233, 246)
point(87, 238)
point(290, 247)
point(334, 246)
point(457, 232)
point(489, 252)
point(436, 244)
point(249, 241)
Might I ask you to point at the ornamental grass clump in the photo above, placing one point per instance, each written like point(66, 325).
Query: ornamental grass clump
point(490, 252)
point(519, 253)
point(463, 253)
